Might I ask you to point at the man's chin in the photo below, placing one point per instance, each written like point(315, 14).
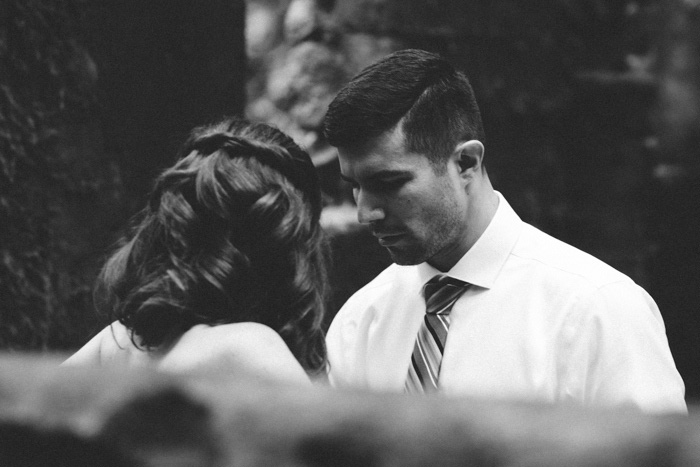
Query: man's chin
point(405, 258)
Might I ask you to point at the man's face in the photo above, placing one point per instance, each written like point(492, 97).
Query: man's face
point(416, 213)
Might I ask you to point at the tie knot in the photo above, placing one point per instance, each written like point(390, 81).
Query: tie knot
point(441, 292)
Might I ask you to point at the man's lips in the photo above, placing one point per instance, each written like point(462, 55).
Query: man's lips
point(386, 239)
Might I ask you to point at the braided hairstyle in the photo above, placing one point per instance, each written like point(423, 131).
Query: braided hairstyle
point(230, 234)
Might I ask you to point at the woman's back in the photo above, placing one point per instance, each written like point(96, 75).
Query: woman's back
point(227, 348)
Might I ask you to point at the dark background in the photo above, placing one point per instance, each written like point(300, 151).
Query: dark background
point(591, 110)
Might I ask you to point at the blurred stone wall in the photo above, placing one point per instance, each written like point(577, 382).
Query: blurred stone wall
point(51, 415)
point(579, 101)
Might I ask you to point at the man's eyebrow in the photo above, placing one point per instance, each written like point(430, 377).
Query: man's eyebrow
point(380, 175)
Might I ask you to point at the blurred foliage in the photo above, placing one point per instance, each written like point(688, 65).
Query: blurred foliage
point(78, 154)
point(45, 84)
point(566, 90)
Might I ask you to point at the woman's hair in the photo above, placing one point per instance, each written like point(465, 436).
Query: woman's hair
point(231, 233)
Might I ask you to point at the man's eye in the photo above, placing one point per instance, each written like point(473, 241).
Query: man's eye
point(392, 184)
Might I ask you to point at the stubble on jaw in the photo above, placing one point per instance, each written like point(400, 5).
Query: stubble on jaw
point(443, 236)
point(407, 258)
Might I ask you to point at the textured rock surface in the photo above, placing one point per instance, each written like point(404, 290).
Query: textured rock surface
point(111, 417)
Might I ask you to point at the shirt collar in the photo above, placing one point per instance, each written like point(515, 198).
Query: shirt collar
point(485, 259)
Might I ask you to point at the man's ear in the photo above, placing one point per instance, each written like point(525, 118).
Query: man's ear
point(469, 155)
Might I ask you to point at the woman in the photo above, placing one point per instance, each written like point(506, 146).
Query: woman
point(225, 267)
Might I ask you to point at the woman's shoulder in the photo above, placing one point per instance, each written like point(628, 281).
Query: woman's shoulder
point(247, 346)
point(111, 341)
point(243, 331)
point(233, 338)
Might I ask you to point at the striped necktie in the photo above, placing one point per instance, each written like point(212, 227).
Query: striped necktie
point(440, 292)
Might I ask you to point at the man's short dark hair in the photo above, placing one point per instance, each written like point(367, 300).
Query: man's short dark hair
point(435, 101)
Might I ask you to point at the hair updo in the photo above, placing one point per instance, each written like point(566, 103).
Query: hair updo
point(230, 234)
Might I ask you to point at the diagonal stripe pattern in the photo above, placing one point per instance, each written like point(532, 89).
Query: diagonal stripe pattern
point(440, 292)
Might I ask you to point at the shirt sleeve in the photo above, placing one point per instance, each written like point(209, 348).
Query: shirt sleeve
point(617, 354)
point(337, 349)
point(346, 343)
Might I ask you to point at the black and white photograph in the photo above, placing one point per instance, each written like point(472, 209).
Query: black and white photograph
point(306, 233)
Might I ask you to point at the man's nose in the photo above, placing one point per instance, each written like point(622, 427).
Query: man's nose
point(368, 208)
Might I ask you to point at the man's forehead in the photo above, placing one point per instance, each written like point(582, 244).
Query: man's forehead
point(389, 141)
point(376, 164)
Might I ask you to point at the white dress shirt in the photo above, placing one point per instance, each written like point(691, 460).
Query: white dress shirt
point(543, 321)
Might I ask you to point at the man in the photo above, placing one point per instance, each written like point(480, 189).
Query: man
point(523, 315)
